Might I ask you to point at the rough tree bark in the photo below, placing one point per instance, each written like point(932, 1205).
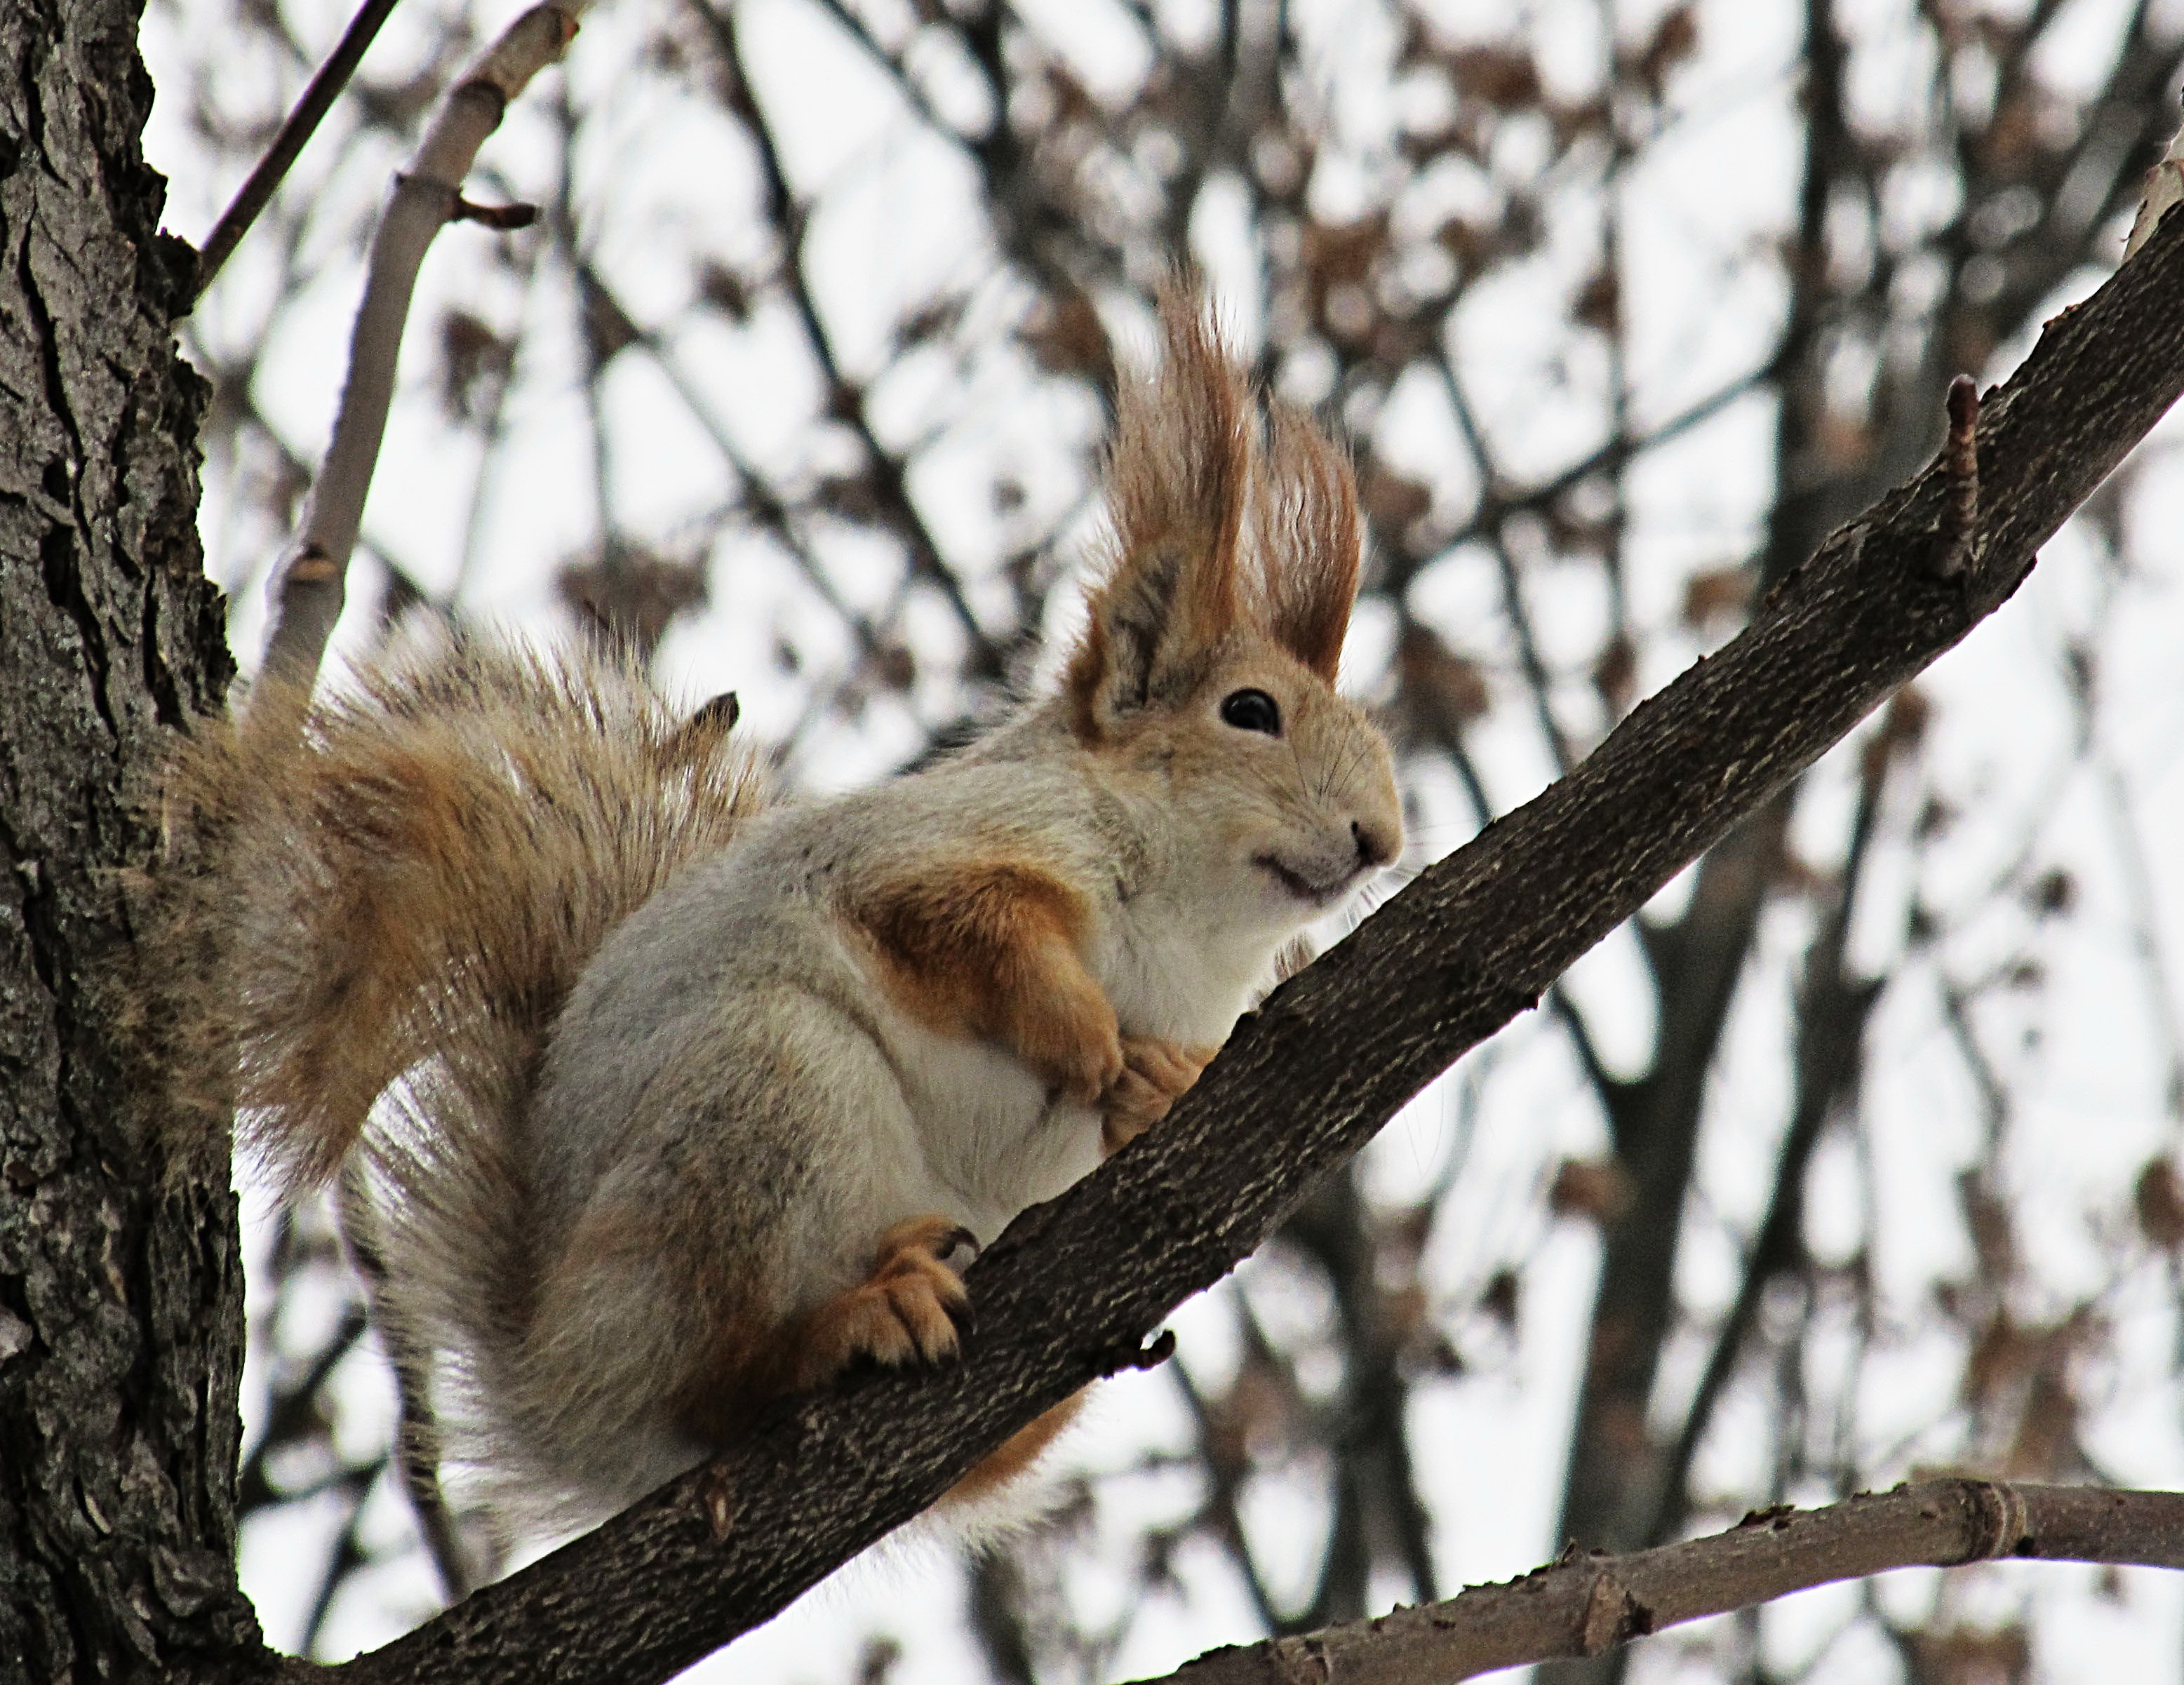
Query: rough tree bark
point(121, 1289)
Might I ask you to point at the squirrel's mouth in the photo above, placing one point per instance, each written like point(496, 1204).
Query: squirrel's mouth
point(1319, 893)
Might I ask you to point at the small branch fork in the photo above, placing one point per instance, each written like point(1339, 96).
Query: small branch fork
point(1584, 1606)
point(1960, 465)
point(311, 583)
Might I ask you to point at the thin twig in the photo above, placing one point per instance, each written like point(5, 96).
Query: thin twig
point(491, 423)
point(790, 219)
point(346, 1557)
point(2145, 926)
point(318, 98)
point(1219, 1507)
point(312, 582)
point(1834, 1009)
point(765, 507)
point(1590, 1604)
point(1496, 537)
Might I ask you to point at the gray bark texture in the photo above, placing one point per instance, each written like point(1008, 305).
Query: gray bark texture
point(121, 1286)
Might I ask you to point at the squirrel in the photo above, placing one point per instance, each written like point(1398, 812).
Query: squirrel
point(671, 1097)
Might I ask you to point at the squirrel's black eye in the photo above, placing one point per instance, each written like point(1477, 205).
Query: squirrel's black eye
point(1252, 711)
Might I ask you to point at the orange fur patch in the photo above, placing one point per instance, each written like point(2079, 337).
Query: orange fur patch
point(996, 950)
point(745, 1367)
point(1016, 1453)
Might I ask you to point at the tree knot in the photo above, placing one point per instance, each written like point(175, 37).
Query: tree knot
point(1612, 1617)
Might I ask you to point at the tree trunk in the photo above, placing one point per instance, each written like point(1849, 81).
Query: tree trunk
point(121, 1283)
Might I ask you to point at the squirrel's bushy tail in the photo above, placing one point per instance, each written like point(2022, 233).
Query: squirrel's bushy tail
point(375, 908)
point(373, 913)
point(406, 887)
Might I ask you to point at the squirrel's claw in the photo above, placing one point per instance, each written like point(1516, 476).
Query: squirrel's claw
point(1156, 1074)
point(955, 1238)
point(913, 1308)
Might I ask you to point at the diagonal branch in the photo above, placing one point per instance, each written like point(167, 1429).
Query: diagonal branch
point(1586, 1605)
point(1070, 1291)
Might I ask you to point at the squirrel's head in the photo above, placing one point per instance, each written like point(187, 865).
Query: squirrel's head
point(1208, 659)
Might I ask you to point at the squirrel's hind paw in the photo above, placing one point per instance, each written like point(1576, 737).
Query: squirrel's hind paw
point(1156, 1075)
point(912, 1308)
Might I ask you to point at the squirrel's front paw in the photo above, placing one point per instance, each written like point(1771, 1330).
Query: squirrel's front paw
point(1068, 1034)
point(910, 1310)
point(1156, 1074)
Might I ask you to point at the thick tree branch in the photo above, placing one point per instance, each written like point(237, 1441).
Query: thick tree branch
point(1586, 1605)
point(1071, 1290)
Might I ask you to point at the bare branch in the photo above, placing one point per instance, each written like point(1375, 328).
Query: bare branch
point(846, 400)
point(312, 584)
point(1831, 1029)
point(1588, 1604)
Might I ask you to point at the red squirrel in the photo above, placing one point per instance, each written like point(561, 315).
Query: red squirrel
point(673, 1097)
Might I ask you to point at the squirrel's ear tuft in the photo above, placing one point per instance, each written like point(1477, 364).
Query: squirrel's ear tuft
point(1177, 480)
point(1305, 542)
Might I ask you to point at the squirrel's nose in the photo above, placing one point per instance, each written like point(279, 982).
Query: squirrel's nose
point(1374, 847)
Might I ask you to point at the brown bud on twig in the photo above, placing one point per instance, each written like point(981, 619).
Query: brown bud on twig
point(502, 217)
